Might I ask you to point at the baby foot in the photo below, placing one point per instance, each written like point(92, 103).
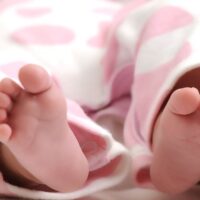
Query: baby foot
point(176, 143)
point(33, 127)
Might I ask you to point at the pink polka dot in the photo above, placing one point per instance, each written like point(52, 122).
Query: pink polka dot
point(33, 12)
point(100, 39)
point(43, 35)
point(7, 4)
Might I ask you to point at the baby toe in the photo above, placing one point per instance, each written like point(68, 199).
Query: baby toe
point(184, 101)
point(5, 101)
point(5, 132)
point(10, 88)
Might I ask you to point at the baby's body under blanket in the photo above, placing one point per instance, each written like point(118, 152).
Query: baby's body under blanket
point(108, 57)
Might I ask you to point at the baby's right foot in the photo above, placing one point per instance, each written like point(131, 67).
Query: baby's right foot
point(34, 129)
point(176, 143)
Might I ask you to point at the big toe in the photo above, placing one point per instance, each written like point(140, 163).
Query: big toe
point(184, 101)
point(34, 78)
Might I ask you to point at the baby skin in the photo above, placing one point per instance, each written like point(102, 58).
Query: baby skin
point(37, 143)
point(176, 138)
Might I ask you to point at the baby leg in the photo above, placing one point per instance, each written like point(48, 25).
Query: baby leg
point(37, 141)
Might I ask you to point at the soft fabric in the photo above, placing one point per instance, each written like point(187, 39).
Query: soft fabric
point(116, 60)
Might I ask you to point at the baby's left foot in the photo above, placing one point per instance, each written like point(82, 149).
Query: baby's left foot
point(33, 127)
point(176, 143)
